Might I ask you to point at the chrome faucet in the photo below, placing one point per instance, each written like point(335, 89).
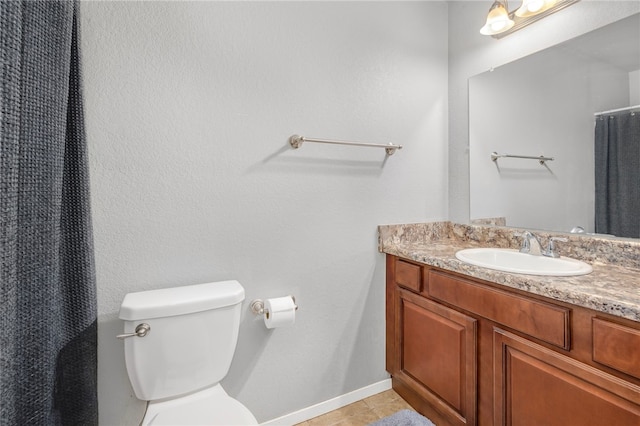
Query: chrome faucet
point(530, 244)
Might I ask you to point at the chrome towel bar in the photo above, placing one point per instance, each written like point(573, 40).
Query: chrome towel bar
point(542, 159)
point(296, 141)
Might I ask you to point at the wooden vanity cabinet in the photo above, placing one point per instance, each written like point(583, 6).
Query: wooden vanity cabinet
point(437, 355)
point(466, 352)
point(534, 385)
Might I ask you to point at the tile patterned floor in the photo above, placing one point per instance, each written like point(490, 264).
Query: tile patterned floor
point(362, 412)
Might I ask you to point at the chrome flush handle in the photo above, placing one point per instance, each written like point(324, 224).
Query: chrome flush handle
point(141, 331)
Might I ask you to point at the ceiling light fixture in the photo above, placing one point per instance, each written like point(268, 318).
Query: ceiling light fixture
point(501, 22)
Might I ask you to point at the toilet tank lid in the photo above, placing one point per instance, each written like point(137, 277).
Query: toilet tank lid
point(173, 301)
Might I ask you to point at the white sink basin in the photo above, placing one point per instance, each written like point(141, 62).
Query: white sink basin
point(509, 260)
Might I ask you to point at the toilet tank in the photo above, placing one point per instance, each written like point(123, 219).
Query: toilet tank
point(191, 341)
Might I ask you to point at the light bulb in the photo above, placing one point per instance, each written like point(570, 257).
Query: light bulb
point(497, 26)
point(534, 7)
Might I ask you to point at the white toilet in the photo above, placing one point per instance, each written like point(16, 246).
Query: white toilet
point(178, 345)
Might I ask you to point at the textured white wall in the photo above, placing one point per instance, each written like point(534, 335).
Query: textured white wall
point(471, 53)
point(189, 107)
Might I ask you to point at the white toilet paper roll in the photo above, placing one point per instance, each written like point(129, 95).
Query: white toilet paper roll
point(280, 312)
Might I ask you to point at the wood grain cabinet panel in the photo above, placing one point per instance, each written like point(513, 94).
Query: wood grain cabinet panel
point(616, 346)
point(541, 320)
point(409, 275)
point(537, 386)
point(438, 355)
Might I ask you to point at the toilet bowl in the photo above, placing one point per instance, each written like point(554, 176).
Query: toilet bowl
point(211, 406)
point(179, 343)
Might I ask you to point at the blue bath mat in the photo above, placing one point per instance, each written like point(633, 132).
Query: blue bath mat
point(404, 418)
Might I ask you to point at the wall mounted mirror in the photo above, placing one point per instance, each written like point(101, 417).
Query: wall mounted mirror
point(544, 105)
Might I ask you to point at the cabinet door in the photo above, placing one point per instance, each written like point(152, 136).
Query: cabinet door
point(437, 354)
point(536, 386)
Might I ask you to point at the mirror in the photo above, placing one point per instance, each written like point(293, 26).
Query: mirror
point(544, 105)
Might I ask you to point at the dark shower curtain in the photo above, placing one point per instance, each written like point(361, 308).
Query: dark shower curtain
point(617, 174)
point(47, 277)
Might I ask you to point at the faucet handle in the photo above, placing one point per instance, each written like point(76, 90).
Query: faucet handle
point(551, 247)
point(525, 246)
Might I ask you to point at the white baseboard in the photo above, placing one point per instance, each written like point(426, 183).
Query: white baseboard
point(330, 405)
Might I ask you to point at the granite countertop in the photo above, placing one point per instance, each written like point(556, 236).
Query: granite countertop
point(613, 287)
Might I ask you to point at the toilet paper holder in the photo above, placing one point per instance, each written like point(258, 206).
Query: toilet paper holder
point(257, 306)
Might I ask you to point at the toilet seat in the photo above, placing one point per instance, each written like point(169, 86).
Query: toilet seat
point(210, 406)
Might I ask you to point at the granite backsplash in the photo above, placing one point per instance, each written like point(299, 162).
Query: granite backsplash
point(588, 248)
